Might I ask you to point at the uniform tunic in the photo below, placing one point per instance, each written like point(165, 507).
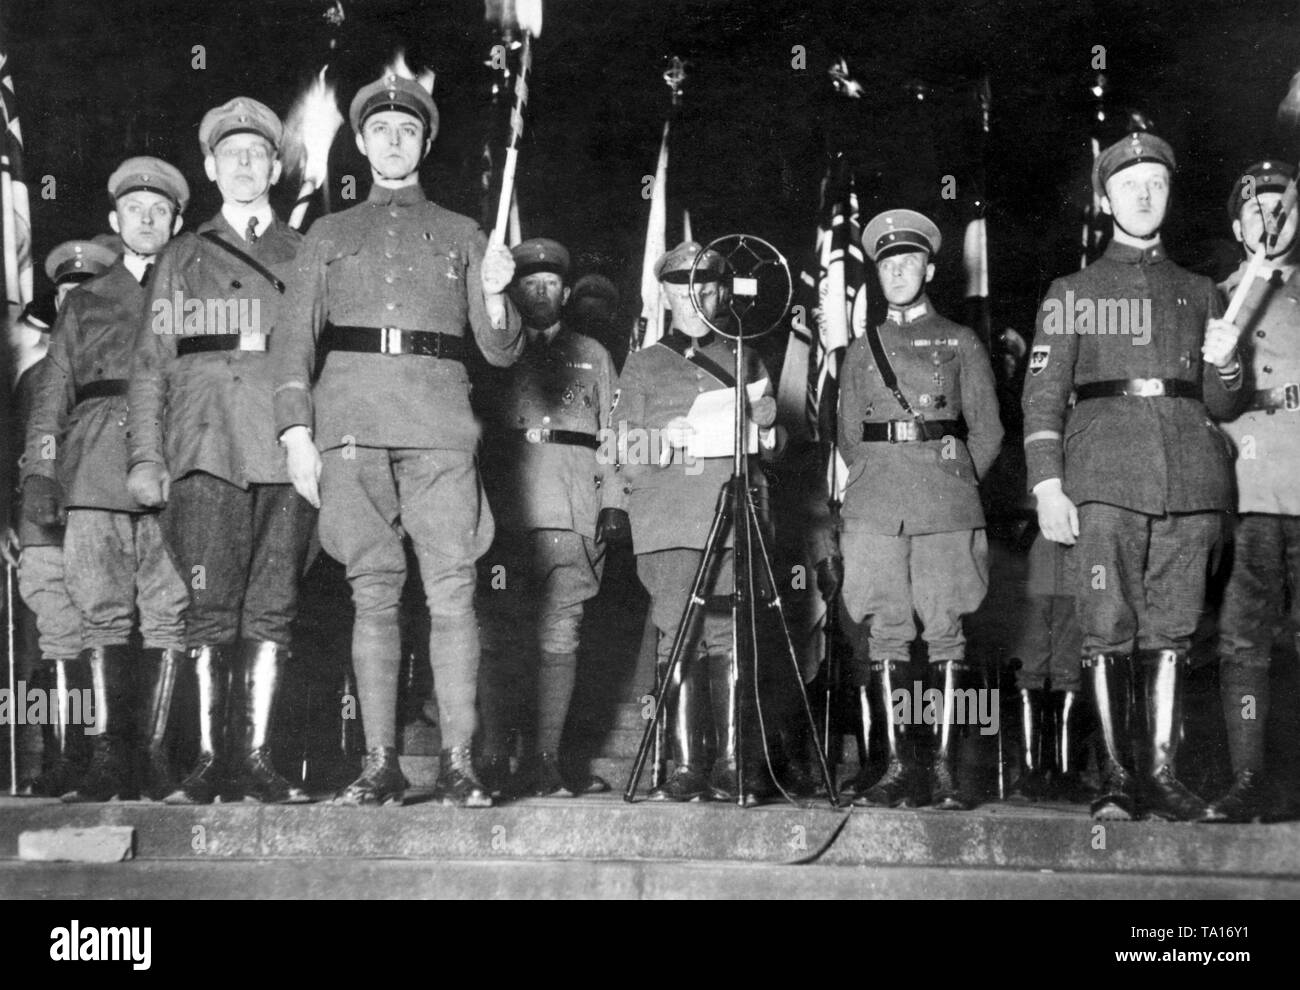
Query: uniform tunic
point(1266, 560)
point(913, 539)
point(672, 507)
point(114, 556)
point(397, 431)
point(208, 418)
point(1149, 475)
point(554, 490)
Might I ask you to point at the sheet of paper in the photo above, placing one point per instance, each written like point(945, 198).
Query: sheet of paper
point(713, 419)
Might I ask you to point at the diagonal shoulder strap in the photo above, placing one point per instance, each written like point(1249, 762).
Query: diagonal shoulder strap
point(679, 344)
point(888, 376)
point(230, 249)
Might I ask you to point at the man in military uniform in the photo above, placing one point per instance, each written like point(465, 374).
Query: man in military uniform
point(1134, 477)
point(555, 502)
point(40, 566)
point(384, 441)
point(115, 560)
point(201, 440)
point(913, 530)
point(674, 493)
point(1266, 560)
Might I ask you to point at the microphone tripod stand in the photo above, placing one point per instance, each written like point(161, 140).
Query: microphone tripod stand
point(752, 262)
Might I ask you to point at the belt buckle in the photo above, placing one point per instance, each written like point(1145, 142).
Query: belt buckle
point(1151, 388)
point(891, 434)
point(252, 342)
point(390, 340)
point(534, 434)
point(1291, 396)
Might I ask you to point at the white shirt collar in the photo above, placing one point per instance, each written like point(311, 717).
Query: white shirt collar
point(237, 216)
point(135, 264)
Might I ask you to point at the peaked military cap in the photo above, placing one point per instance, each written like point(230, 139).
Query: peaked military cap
point(675, 265)
point(241, 115)
point(540, 254)
point(594, 286)
point(394, 92)
point(76, 261)
point(897, 231)
point(1139, 146)
point(150, 175)
point(1265, 176)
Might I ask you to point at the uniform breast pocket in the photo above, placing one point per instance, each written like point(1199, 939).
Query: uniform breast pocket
point(447, 265)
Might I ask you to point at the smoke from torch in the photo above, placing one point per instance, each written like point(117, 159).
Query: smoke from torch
point(309, 131)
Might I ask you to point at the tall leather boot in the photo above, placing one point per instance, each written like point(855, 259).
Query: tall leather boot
point(212, 673)
point(866, 720)
point(66, 747)
point(109, 774)
point(724, 695)
point(945, 784)
point(1067, 781)
point(1164, 672)
point(1242, 679)
point(895, 785)
point(156, 680)
point(1033, 745)
point(688, 781)
point(1109, 677)
point(254, 777)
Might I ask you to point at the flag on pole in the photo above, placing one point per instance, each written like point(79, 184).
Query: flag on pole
point(840, 276)
point(17, 229)
point(650, 325)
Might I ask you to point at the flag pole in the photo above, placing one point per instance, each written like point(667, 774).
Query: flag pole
point(649, 326)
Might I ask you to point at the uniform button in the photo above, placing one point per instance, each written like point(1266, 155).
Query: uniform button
point(546, 419)
point(390, 306)
point(388, 254)
point(1267, 370)
point(393, 214)
point(1259, 333)
point(388, 279)
point(391, 232)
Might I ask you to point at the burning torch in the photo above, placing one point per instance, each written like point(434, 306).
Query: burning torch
point(309, 131)
point(528, 14)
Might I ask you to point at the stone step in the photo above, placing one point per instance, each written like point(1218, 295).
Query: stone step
point(604, 828)
point(358, 879)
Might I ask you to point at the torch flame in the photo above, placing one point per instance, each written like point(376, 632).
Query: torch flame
point(310, 128)
point(398, 67)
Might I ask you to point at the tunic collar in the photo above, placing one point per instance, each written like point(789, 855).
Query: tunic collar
point(1128, 254)
point(919, 310)
point(403, 196)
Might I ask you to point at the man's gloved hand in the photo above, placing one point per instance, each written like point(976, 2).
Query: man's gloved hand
point(43, 501)
point(614, 528)
point(830, 576)
point(150, 484)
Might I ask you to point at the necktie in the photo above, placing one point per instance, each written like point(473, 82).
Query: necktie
point(250, 234)
point(146, 274)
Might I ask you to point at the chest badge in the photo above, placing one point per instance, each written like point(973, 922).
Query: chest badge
point(925, 398)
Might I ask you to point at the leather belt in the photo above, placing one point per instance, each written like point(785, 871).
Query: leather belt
point(393, 340)
point(546, 435)
point(908, 430)
point(219, 342)
point(1140, 388)
point(101, 389)
point(1285, 397)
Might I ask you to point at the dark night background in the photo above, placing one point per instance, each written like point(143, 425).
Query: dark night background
point(98, 81)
